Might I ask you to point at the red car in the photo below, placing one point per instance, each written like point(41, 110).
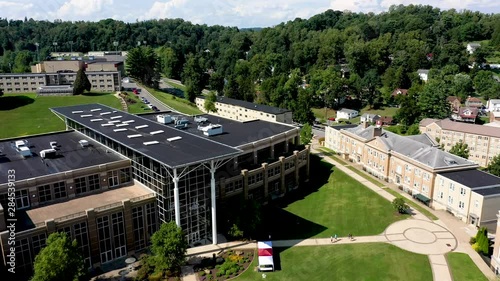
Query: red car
point(135, 91)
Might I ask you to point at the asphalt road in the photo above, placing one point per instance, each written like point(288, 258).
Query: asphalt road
point(147, 95)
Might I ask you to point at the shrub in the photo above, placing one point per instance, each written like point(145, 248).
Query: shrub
point(202, 273)
point(400, 205)
point(157, 276)
point(472, 240)
point(475, 246)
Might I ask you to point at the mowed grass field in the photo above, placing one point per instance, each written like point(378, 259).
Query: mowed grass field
point(27, 114)
point(373, 262)
point(340, 206)
point(463, 268)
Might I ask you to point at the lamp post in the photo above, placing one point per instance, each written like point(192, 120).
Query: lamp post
point(115, 43)
point(55, 46)
point(37, 53)
point(71, 47)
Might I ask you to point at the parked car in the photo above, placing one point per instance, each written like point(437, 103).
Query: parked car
point(135, 91)
point(145, 101)
point(155, 108)
point(150, 105)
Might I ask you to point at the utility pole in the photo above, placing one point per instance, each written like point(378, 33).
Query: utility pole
point(71, 48)
point(115, 43)
point(37, 52)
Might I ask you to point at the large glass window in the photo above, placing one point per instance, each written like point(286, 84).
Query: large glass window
point(125, 175)
point(80, 185)
point(82, 238)
point(104, 239)
point(119, 241)
point(44, 193)
point(59, 190)
point(138, 221)
point(151, 218)
point(113, 178)
point(22, 199)
point(94, 182)
point(38, 242)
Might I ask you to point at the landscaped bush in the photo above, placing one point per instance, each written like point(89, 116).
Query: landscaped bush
point(472, 240)
point(157, 276)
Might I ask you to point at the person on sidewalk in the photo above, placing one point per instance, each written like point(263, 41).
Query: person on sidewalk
point(331, 239)
point(335, 237)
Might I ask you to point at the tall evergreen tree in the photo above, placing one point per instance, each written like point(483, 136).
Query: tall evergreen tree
point(81, 83)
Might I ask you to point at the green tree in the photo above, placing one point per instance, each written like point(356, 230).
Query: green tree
point(482, 241)
point(432, 100)
point(169, 63)
point(400, 205)
point(209, 104)
point(216, 82)
point(306, 134)
point(460, 149)
point(168, 246)
point(235, 232)
point(142, 64)
point(494, 166)
point(408, 112)
point(192, 77)
point(302, 112)
point(60, 260)
point(81, 83)
point(462, 86)
point(370, 84)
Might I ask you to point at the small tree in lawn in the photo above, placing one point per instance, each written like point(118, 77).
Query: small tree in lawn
point(460, 149)
point(400, 205)
point(82, 82)
point(59, 260)
point(306, 134)
point(209, 104)
point(168, 246)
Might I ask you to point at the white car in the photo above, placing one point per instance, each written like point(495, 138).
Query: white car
point(150, 106)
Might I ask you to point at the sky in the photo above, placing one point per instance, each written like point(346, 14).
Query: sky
point(240, 13)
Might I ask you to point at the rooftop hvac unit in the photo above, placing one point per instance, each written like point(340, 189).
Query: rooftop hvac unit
point(164, 119)
point(212, 130)
point(48, 153)
point(24, 151)
point(84, 143)
point(21, 143)
point(200, 119)
point(181, 126)
point(181, 121)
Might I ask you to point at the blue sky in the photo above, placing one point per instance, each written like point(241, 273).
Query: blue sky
point(241, 13)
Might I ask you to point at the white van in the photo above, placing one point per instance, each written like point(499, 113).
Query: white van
point(266, 262)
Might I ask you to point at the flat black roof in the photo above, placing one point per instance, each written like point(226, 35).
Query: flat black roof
point(250, 105)
point(138, 134)
point(71, 155)
point(472, 178)
point(235, 133)
point(488, 191)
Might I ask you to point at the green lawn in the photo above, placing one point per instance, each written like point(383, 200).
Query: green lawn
point(463, 268)
point(179, 104)
point(340, 206)
point(373, 262)
point(320, 113)
point(383, 111)
point(27, 114)
point(177, 86)
point(417, 206)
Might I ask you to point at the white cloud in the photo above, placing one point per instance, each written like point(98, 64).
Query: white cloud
point(75, 9)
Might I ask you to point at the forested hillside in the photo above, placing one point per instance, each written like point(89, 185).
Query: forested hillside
point(382, 51)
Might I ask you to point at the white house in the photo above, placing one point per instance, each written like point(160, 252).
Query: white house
point(472, 47)
point(370, 118)
point(493, 105)
point(424, 74)
point(345, 113)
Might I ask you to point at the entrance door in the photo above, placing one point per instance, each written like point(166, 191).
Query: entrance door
point(473, 220)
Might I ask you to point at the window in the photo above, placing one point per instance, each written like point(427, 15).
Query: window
point(80, 185)
point(38, 242)
point(452, 186)
point(462, 191)
point(44, 194)
point(22, 199)
point(94, 182)
point(119, 240)
point(425, 189)
point(407, 179)
point(138, 221)
point(59, 190)
point(426, 176)
point(476, 203)
point(417, 172)
point(441, 182)
point(450, 200)
point(104, 239)
point(440, 195)
point(461, 205)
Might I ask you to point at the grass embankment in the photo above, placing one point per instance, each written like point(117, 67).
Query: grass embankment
point(27, 114)
point(463, 268)
point(179, 104)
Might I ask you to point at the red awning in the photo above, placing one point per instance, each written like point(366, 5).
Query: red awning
point(266, 252)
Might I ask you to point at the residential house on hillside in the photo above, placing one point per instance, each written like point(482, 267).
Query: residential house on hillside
point(370, 118)
point(493, 105)
point(411, 162)
point(345, 113)
point(454, 103)
point(465, 114)
point(472, 47)
point(423, 74)
point(483, 141)
point(473, 102)
point(471, 195)
point(386, 121)
point(399, 91)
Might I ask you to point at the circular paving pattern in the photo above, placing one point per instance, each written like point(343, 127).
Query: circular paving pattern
point(419, 236)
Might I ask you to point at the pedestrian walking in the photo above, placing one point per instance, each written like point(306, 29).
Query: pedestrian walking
point(331, 239)
point(335, 237)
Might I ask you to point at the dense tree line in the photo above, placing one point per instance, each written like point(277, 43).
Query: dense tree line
point(273, 65)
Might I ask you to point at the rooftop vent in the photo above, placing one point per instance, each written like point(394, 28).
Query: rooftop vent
point(150, 142)
point(212, 130)
point(450, 161)
point(128, 121)
point(120, 130)
point(141, 126)
point(116, 117)
point(122, 125)
point(200, 119)
point(86, 115)
point(164, 119)
point(83, 143)
point(107, 124)
point(95, 120)
point(95, 109)
point(106, 113)
point(77, 111)
point(156, 132)
point(134, 136)
point(174, 139)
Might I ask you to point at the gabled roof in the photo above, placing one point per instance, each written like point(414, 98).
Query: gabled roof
point(346, 110)
point(399, 91)
point(472, 110)
point(449, 125)
point(473, 99)
point(424, 138)
point(369, 115)
point(423, 71)
point(415, 148)
point(474, 44)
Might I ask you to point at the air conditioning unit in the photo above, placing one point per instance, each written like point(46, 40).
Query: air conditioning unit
point(84, 143)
